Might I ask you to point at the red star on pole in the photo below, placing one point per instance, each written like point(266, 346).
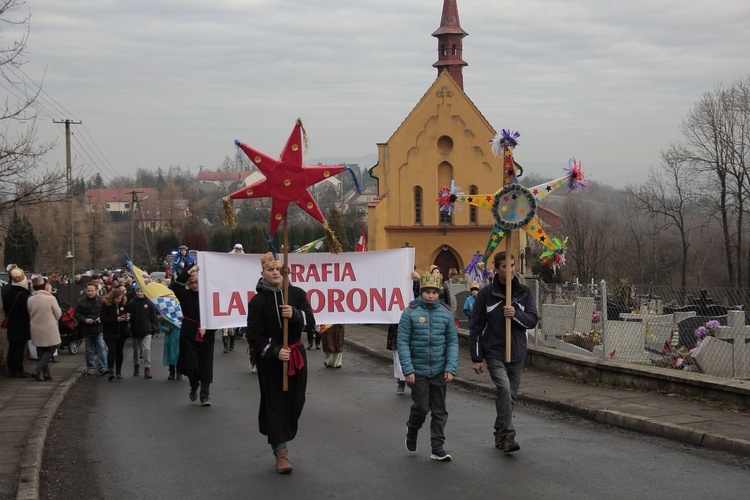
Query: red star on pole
point(287, 179)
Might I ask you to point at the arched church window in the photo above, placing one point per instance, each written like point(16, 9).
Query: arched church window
point(455, 49)
point(417, 205)
point(472, 208)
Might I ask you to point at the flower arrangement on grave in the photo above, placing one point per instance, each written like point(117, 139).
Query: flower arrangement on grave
point(679, 357)
point(587, 340)
point(708, 330)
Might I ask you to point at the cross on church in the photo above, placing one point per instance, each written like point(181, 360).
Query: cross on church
point(444, 92)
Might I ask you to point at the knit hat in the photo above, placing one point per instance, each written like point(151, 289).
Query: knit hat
point(238, 246)
point(431, 281)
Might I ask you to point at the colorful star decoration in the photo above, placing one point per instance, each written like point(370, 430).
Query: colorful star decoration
point(514, 206)
point(287, 181)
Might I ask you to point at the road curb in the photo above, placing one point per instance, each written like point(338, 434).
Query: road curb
point(31, 459)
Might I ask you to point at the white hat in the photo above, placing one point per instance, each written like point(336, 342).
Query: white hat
point(238, 245)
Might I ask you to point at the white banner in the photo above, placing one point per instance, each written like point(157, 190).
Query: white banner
point(345, 288)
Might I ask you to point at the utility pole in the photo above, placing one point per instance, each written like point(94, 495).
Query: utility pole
point(69, 164)
point(133, 195)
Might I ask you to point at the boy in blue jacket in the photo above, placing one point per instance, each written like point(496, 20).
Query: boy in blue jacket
point(428, 352)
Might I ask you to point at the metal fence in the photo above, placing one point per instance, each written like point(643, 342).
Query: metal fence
point(702, 330)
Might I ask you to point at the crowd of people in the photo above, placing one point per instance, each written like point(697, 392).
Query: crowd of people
point(113, 308)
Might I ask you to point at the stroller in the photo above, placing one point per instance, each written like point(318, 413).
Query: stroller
point(70, 338)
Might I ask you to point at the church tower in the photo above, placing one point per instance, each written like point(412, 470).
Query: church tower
point(450, 43)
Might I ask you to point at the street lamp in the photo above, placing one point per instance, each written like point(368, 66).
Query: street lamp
point(70, 258)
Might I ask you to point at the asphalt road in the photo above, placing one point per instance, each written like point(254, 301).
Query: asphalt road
point(138, 438)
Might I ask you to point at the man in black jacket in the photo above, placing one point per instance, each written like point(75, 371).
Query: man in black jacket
point(487, 327)
point(87, 312)
point(143, 325)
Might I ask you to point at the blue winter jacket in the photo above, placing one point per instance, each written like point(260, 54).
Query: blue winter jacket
point(487, 322)
point(427, 339)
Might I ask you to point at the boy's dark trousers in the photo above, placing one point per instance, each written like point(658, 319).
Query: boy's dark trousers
point(428, 395)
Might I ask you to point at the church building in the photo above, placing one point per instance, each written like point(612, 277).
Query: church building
point(444, 138)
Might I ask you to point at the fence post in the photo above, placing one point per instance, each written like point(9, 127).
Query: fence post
point(539, 309)
point(603, 291)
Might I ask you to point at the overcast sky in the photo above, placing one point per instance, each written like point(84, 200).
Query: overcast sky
point(175, 82)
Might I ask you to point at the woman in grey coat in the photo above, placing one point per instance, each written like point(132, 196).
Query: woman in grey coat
point(44, 313)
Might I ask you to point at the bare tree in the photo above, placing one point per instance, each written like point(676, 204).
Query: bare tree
point(716, 144)
point(588, 248)
point(21, 181)
point(669, 197)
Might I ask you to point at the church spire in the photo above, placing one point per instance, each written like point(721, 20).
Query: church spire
point(450, 45)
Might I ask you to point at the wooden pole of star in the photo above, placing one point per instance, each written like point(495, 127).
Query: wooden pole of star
point(509, 174)
point(285, 323)
point(508, 290)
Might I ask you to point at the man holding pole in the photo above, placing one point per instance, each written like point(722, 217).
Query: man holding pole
point(495, 312)
point(277, 316)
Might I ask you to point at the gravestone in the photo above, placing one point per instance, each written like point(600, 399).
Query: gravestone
point(714, 357)
point(557, 319)
point(584, 309)
point(623, 341)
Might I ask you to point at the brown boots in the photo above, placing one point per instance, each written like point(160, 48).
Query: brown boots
point(283, 464)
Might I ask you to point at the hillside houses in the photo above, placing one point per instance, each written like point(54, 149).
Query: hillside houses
point(155, 213)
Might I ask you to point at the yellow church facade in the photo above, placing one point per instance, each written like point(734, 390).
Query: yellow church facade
point(445, 138)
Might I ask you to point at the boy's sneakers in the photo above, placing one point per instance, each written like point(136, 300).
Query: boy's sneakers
point(136, 370)
point(206, 401)
point(411, 439)
point(400, 387)
point(438, 453)
point(507, 444)
point(147, 373)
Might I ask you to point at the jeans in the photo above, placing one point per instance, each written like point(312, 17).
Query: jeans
point(507, 378)
point(142, 346)
point(428, 396)
point(204, 386)
point(95, 344)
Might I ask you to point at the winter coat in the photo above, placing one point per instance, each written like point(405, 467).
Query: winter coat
point(264, 322)
point(181, 263)
point(89, 308)
point(44, 313)
point(18, 314)
point(427, 339)
point(487, 322)
point(143, 319)
point(109, 315)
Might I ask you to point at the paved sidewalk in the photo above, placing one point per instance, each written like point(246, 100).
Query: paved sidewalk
point(27, 408)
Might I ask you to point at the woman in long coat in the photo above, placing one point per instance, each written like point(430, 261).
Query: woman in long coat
point(44, 313)
point(196, 343)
